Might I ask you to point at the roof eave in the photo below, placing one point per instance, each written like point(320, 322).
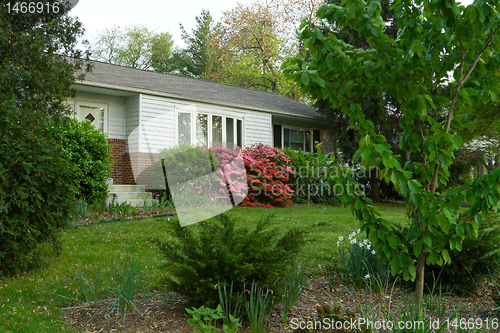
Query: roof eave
point(162, 94)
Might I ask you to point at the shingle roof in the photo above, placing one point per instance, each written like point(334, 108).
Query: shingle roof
point(196, 89)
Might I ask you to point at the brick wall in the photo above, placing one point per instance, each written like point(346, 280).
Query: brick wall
point(118, 149)
point(142, 167)
point(133, 168)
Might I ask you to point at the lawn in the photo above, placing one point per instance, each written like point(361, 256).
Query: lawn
point(30, 302)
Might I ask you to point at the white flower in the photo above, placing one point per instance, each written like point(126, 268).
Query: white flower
point(353, 241)
point(341, 238)
point(359, 230)
point(338, 243)
point(365, 241)
point(367, 276)
point(368, 246)
point(373, 251)
point(360, 244)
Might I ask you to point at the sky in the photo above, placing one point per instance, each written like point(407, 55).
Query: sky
point(163, 16)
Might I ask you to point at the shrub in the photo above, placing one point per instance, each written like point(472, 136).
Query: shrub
point(310, 175)
point(220, 253)
point(472, 264)
point(37, 188)
point(267, 169)
point(191, 160)
point(89, 152)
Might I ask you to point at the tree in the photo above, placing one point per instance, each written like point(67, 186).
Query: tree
point(198, 58)
point(36, 191)
point(252, 41)
point(134, 46)
point(434, 39)
point(379, 108)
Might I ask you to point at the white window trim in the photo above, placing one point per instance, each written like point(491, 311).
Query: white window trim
point(224, 115)
point(80, 116)
point(176, 127)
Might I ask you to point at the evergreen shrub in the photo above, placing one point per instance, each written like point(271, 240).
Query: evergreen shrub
point(216, 252)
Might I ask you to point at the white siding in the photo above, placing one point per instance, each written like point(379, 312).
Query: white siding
point(132, 123)
point(258, 128)
point(115, 107)
point(157, 123)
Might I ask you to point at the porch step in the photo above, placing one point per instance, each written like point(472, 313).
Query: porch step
point(132, 194)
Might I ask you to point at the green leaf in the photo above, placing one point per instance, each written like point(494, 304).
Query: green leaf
point(446, 256)
point(305, 78)
point(428, 240)
point(414, 185)
point(373, 7)
point(472, 14)
point(375, 32)
point(395, 265)
point(393, 243)
point(444, 223)
point(411, 23)
point(329, 61)
point(417, 248)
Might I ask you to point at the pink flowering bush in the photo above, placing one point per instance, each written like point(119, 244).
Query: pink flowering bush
point(267, 173)
point(231, 171)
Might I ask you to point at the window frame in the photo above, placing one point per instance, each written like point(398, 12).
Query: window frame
point(301, 129)
point(210, 114)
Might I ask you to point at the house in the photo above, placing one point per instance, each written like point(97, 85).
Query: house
point(144, 111)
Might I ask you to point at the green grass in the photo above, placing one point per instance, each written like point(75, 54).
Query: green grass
point(29, 302)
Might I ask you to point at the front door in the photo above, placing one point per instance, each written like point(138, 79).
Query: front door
point(94, 113)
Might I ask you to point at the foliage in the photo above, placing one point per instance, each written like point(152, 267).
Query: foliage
point(186, 161)
point(134, 46)
point(414, 69)
point(199, 57)
point(118, 299)
point(203, 320)
point(230, 302)
point(292, 286)
point(89, 152)
point(267, 169)
point(257, 306)
point(309, 176)
point(221, 253)
point(36, 187)
point(468, 267)
point(126, 238)
point(360, 263)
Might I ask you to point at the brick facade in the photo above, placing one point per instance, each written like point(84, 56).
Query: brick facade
point(118, 150)
point(131, 168)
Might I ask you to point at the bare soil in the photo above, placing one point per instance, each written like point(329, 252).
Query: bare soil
point(165, 312)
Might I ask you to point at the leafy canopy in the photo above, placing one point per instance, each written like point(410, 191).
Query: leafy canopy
point(435, 39)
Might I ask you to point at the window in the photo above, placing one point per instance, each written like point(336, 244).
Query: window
point(208, 129)
point(184, 128)
point(296, 139)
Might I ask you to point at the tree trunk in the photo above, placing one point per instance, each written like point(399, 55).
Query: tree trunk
point(419, 289)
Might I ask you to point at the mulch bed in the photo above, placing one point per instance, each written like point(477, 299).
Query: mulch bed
point(165, 312)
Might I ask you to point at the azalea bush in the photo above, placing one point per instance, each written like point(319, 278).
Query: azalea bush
point(229, 165)
point(267, 175)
